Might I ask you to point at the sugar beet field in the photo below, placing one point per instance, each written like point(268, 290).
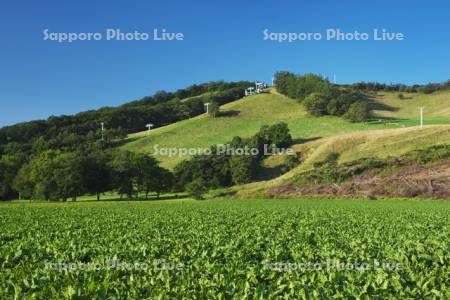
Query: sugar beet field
point(224, 249)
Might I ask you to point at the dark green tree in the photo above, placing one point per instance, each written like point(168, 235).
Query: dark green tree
point(68, 175)
point(97, 173)
point(291, 161)
point(197, 188)
point(125, 172)
point(278, 135)
point(316, 104)
point(213, 109)
point(147, 174)
point(23, 184)
point(358, 112)
point(10, 165)
point(164, 181)
point(42, 175)
point(243, 168)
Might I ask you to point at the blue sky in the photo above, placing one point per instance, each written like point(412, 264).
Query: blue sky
point(223, 41)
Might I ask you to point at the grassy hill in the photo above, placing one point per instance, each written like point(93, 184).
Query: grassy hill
point(244, 118)
point(436, 106)
point(352, 146)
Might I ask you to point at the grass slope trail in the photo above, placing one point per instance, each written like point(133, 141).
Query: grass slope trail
point(242, 118)
point(406, 111)
point(352, 146)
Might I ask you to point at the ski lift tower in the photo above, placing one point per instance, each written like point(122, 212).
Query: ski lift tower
point(149, 127)
point(103, 129)
point(421, 116)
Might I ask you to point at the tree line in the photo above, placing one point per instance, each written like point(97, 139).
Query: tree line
point(62, 175)
point(402, 88)
point(163, 108)
point(61, 138)
point(223, 169)
point(95, 169)
point(320, 97)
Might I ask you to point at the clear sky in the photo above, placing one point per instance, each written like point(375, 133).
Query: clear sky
point(223, 40)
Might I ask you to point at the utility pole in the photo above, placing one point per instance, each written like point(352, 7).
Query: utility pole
point(421, 117)
point(149, 126)
point(207, 107)
point(273, 80)
point(103, 129)
point(334, 79)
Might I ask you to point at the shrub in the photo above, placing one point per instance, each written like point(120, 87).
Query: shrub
point(316, 104)
point(319, 96)
point(358, 112)
point(431, 154)
point(212, 169)
point(213, 109)
point(243, 168)
point(300, 86)
point(333, 108)
point(291, 161)
point(339, 105)
point(277, 134)
point(197, 188)
point(428, 89)
point(330, 159)
point(223, 169)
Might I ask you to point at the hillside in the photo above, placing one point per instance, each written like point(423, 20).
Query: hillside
point(60, 143)
point(113, 123)
point(245, 116)
point(436, 106)
point(352, 146)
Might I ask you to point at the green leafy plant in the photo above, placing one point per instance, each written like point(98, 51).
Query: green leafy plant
point(225, 249)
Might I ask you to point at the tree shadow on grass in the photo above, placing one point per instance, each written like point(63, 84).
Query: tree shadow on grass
point(229, 113)
point(125, 141)
point(267, 173)
point(141, 199)
point(375, 105)
point(305, 140)
point(376, 120)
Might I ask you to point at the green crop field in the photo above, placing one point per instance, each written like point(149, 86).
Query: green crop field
point(224, 249)
point(225, 150)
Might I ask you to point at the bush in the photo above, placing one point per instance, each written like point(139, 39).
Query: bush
point(300, 86)
point(431, 154)
point(197, 188)
point(212, 169)
point(358, 112)
point(243, 168)
point(428, 89)
point(213, 109)
point(277, 135)
point(316, 104)
point(334, 108)
point(319, 96)
point(291, 161)
point(222, 169)
point(340, 105)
